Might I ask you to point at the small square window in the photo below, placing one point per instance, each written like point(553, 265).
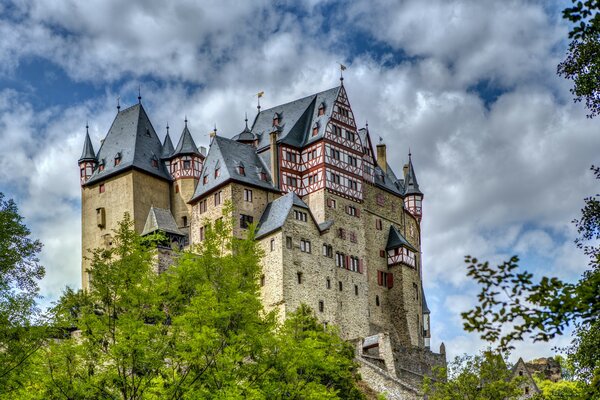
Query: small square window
point(288, 242)
point(299, 276)
point(101, 188)
point(321, 306)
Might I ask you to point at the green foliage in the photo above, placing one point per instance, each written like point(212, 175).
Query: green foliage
point(196, 331)
point(19, 273)
point(561, 390)
point(481, 377)
point(582, 64)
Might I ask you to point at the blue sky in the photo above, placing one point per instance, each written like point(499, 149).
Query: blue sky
point(499, 148)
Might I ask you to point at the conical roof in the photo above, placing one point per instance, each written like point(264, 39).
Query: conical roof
point(246, 135)
point(167, 147)
point(411, 184)
point(186, 144)
point(160, 219)
point(396, 240)
point(132, 139)
point(88, 153)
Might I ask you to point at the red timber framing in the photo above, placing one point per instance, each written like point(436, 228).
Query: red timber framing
point(185, 167)
point(401, 255)
point(302, 171)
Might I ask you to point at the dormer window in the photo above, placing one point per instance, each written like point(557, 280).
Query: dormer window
point(205, 180)
point(217, 172)
point(101, 167)
point(315, 129)
point(241, 170)
point(322, 109)
point(154, 162)
point(276, 119)
point(117, 159)
point(263, 176)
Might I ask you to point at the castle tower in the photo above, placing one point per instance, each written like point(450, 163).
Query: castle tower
point(87, 161)
point(185, 165)
point(413, 196)
point(128, 178)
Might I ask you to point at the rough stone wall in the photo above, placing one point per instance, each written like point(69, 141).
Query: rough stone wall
point(213, 212)
point(132, 192)
point(528, 386)
point(398, 311)
point(413, 363)
point(255, 208)
point(148, 191)
point(182, 191)
point(272, 270)
point(116, 200)
point(343, 308)
point(548, 367)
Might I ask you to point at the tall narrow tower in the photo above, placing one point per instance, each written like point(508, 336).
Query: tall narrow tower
point(126, 177)
point(185, 165)
point(413, 196)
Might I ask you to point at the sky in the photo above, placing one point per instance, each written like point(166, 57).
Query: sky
point(500, 150)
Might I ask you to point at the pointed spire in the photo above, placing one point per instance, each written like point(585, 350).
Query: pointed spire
point(167, 147)
point(118, 103)
point(186, 144)
point(342, 69)
point(139, 94)
point(412, 186)
point(246, 120)
point(88, 153)
point(185, 121)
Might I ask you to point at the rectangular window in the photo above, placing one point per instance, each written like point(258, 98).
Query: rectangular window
point(380, 199)
point(262, 280)
point(217, 172)
point(325, 249)
point(328, 283)
point(351, 210)
point(184, 220)
point(248, 195)
point(305, 245)
point(101, 188)
point(205, 180)
point(300, 216)
point(187, 164)
point(356, 290)
point(321, 305)
point(342, 233)
point(378, 224)
point(340, 286)
point(385, 279)
point(202, 232)
point(272, 244)
point(299, 275)
point(218, 198)
point(245, 221)
point(288, 242)
point(331, 203)
point(352, 236)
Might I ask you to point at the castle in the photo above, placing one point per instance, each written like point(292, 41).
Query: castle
point(340, 231)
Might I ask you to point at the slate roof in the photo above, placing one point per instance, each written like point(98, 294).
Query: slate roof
point(246, 135)
point(132, 138)
point(186, 144)
point(88, 153)
point(396, 240)
point(160, 219)
point(412, 186)
point(168, 148)
point(277, 212)
point(227, 155)
point(388, 180)
point(424, 307)
point(297, 119)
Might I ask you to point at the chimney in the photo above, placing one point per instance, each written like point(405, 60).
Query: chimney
point(203, 150)
point(274, 158)
point(382, 157)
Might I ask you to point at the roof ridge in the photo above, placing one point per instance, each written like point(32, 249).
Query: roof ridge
point(299, 99)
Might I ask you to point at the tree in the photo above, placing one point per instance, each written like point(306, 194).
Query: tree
point(481, 377)
point(582, 64)
point(20, 272)
point(561, 390)
point(195, 331)
point(543, 310)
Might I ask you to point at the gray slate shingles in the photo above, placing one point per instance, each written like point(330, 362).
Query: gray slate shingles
point(277, 212)
point(88, 153)
point(226, 155)
point(160, 219)
point(186, 144)
point(168, 148)
point(396, 240)
point(132, 136)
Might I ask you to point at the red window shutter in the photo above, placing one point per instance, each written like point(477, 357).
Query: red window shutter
point(380, 278)
point(347, 262)
point(390, 280)
point(360, 266)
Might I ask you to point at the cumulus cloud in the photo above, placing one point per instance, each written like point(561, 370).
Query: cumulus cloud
point(499, 149)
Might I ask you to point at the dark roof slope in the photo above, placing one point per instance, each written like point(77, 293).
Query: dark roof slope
point(168, 148)
point(186, 144)
point(296, 119)
point(246, 135)
point(424, 307)
point(412, 186)
point(396, 240)
point(277, 212)
point(226, 155)
point(132, 138)
point(160, 219)
point(388, 180)
point(88, 153)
